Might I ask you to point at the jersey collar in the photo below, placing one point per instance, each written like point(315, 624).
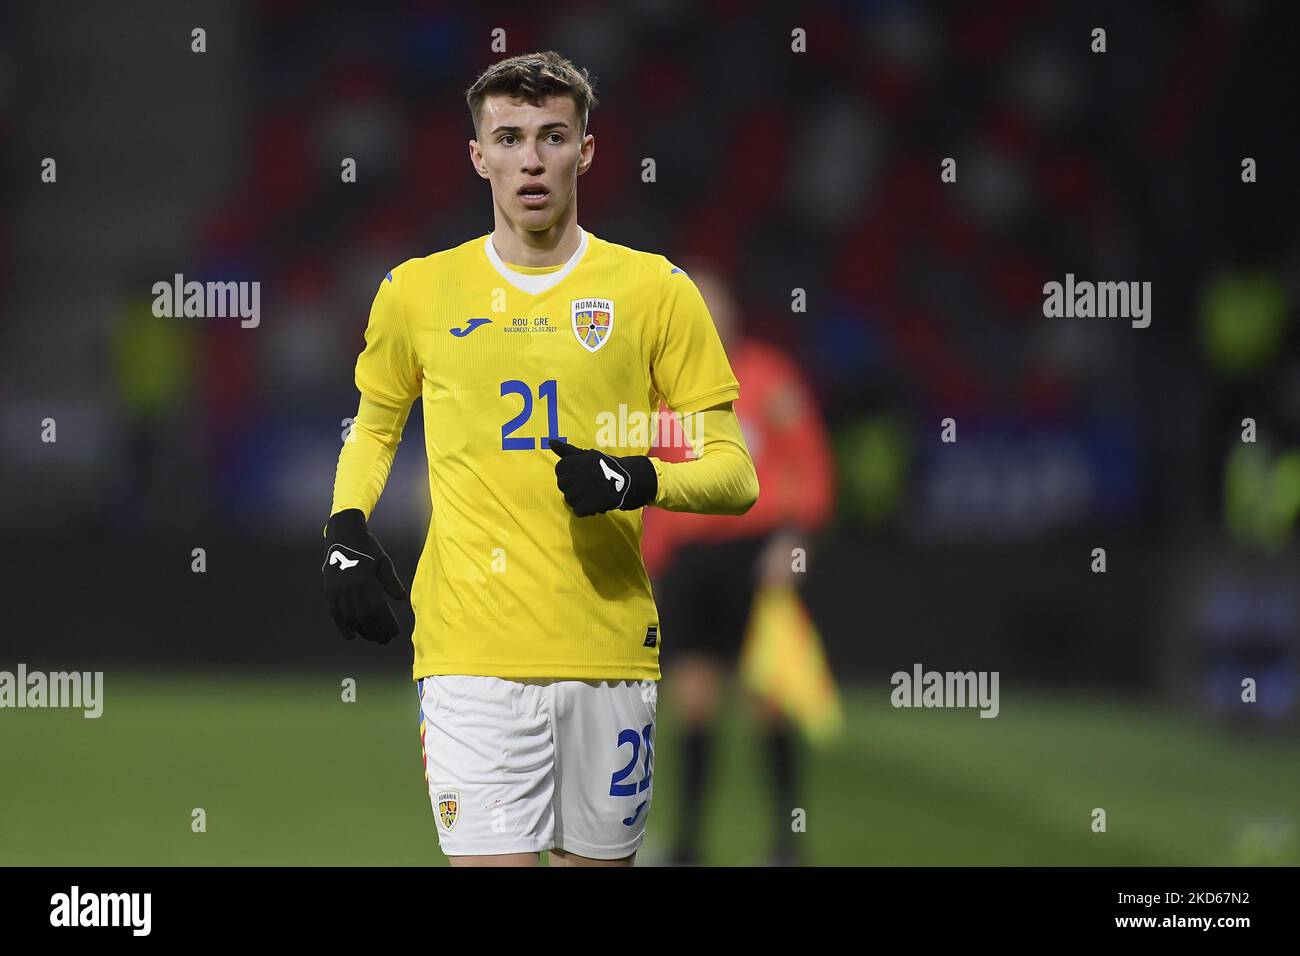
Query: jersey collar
point(542, 282)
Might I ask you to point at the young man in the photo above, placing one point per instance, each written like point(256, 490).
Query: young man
point(536, 635)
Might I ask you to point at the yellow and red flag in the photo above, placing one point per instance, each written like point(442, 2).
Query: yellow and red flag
point(783, 661)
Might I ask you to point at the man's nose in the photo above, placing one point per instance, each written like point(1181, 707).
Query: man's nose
point(532, 158)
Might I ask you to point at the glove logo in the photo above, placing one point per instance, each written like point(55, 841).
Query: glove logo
point(358, 596)
point(593, 322)
point(342, 560)
point(613, 476)
point(593, 482)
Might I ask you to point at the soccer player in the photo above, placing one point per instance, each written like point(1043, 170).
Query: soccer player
point(709, 570)
point(536, 635)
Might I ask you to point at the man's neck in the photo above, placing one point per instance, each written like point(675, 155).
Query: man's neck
point(551, 247)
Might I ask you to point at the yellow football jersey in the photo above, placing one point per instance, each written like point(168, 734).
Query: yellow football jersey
point(510, 583)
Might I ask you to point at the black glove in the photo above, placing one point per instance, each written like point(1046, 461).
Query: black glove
point(594, 482)
point(357, 574)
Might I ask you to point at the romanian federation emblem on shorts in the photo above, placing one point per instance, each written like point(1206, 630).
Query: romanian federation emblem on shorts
point(593, 322)
point(448, 807)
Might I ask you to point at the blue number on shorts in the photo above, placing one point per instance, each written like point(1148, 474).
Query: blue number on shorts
point(630, 736)
point(616, 789)
point(645, 781)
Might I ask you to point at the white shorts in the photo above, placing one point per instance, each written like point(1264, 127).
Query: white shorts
point(520, 766)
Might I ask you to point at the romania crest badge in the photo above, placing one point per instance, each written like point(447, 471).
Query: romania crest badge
point(448, 807)
point(593, 322)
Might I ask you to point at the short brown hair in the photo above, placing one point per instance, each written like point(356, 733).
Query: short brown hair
point(533, 77)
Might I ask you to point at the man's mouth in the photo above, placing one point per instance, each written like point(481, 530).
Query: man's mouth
point(533, 194)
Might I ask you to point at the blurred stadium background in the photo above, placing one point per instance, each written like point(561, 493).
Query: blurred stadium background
point(817, 171)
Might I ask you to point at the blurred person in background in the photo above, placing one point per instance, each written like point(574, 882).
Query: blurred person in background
point(709, 570)
point(153, 362)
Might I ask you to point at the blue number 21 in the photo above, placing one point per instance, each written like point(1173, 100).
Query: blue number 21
point(547, 391)
point(630, 736)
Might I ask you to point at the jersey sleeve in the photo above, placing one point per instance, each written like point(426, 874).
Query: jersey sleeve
point(388, 371)
point(687, 363)
point(721, 480)
point(388, 376)
point(367, 455)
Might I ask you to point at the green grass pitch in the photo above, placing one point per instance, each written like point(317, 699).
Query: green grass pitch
point(288, 774)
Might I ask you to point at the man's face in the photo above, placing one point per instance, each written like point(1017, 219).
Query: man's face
point(533, 156)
